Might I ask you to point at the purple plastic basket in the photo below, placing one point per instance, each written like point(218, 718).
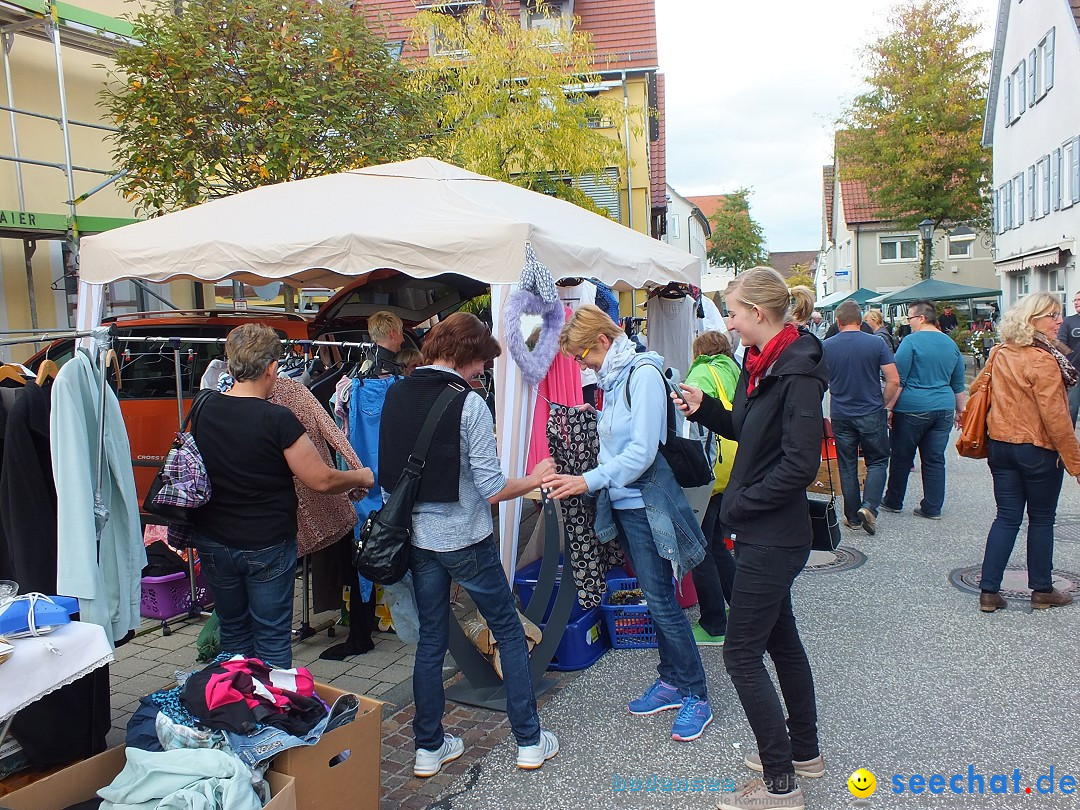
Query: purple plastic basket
point(169, 596)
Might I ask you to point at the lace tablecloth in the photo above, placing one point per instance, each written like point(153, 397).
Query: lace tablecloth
point(40, 665)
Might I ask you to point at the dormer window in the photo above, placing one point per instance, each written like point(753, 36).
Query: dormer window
point(552, 14)
point(439, 44)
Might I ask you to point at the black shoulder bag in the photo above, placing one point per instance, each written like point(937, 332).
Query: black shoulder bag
point(823, 518)
point(381, 553)
point(686, 457)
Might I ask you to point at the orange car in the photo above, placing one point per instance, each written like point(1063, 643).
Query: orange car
point(147, 393)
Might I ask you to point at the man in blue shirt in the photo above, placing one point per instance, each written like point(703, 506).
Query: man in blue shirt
point(932, 397)
point(857, 362)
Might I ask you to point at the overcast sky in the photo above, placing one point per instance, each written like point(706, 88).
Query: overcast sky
point(752, 91)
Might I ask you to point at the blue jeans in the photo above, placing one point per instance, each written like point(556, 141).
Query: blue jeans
point(1074, 402)
point(929, 434)
point(871, 433)
point(762, 621)
point(680, 663)
point(1023, 474)
point(714, 575)
point(253, 597)
point(477, 569)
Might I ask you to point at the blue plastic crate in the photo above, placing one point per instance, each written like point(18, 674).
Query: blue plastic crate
point(630, 627)
point(525, 583)
point(583, 643)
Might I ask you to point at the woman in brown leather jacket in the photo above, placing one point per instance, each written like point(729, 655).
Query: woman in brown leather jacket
point(1031, 441)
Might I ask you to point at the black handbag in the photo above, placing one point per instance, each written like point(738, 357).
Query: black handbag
point(823, 517)
point(171, 513)
point(381, 553)
point(686, 457)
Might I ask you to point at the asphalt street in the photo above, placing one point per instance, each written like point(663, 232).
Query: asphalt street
point(912, 681)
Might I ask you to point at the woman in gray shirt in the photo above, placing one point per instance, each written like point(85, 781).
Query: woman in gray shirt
point(452, 534)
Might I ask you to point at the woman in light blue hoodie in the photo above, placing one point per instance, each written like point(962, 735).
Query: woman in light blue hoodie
point(638, 498)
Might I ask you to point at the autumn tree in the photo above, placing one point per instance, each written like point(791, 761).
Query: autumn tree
point(518, 104)
point(233, 94)
point(737, 240)
point(914, 136)
point(799, 278)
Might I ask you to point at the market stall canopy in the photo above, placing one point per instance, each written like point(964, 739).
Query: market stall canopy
point(831, 302)
point(931, 289)
point(422, 217)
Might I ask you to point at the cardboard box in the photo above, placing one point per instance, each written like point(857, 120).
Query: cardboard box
point(81, 782)
point(342, 770)
point(821, 482)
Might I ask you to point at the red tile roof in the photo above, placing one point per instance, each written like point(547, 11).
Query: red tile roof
point(784, 262)
point(623, 31)
point(709, 204)
point(828, 189)
point(859, 207)
point(1076, 11)
point(658, 152)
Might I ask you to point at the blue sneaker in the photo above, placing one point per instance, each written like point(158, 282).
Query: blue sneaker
point(694, 717)
point(657, 698)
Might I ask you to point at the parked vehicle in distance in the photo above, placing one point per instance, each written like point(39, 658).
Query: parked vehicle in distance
point(147, 392)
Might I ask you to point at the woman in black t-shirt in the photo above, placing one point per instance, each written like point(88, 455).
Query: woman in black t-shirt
point(246, 534)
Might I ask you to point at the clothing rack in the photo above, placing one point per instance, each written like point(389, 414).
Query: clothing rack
point(196, 610)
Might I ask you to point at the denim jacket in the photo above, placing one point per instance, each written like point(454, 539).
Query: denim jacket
point(269, 741)
point(675, 528)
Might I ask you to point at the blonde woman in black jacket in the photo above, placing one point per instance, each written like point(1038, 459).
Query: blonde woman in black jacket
point(776, 419)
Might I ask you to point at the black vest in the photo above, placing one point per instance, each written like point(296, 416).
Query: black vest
point(407, 405)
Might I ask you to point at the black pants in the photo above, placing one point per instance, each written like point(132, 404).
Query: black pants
point(761, 621)
point(714, 576)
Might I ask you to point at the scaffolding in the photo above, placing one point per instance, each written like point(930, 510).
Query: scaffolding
point(64, 26)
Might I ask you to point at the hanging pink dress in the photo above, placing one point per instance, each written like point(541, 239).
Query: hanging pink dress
point(561, 385)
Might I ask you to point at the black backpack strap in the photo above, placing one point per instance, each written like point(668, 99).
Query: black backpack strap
point(423, 440)
point(196, 406)
point(667, 391)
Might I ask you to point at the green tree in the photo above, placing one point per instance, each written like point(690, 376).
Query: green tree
point(914, 136)
point(737, 240)
point(232, 95)
point(521, 105)
point(800, 278)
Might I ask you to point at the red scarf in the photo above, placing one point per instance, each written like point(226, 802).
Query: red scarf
point(758, 361)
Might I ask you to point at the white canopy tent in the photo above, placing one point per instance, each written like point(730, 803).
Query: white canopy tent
point(421, 217)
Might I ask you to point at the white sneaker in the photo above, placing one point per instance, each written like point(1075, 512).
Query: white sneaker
point(531, 757)
point(429, 763)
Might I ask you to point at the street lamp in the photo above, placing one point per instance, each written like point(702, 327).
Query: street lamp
point(926, 231)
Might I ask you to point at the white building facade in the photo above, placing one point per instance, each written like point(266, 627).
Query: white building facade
point(1033, 125)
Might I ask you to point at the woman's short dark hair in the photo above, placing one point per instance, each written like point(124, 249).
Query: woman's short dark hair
point(460, 339)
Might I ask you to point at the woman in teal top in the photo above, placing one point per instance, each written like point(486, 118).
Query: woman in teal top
point(715, 372)
point(932, 396)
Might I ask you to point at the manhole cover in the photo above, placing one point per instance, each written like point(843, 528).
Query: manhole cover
point(843, 559)
point(1014, 583)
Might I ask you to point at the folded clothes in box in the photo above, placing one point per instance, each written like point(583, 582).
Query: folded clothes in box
point(49, 611)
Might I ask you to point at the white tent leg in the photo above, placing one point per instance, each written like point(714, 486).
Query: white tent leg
point(90, 310)
point(514, 405)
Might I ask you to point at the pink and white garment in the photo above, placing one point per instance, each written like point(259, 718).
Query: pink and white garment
point(562, 386)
